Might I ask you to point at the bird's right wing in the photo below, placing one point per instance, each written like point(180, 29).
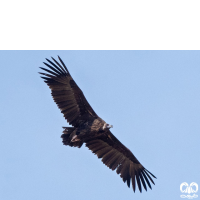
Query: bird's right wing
point(66, 93)
point(116, 156)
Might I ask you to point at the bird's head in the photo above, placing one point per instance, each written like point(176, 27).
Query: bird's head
point(107, 126)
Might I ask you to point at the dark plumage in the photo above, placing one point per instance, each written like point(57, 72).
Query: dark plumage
point(90, 129)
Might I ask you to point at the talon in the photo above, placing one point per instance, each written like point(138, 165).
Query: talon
point(75, 139)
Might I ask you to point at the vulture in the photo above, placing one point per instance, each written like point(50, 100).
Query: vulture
point(89, 128)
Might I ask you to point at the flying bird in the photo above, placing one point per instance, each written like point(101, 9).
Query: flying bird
point(89, 128)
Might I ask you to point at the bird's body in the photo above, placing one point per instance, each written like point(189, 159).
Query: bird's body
point(89, 128)
point(85, 131)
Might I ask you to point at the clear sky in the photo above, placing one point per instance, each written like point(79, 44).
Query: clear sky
point(152, 98)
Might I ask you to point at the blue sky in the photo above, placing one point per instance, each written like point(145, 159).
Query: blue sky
point(152, 98)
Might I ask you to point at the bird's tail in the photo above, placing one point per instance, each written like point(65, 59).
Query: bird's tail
point(69, 133)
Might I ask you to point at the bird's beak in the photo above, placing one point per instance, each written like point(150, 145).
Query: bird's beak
point(110, 126)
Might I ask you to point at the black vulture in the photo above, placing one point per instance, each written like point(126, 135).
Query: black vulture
point(89, 128)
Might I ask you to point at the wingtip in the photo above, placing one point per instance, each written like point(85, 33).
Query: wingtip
point(61, 60)
point(150, 173)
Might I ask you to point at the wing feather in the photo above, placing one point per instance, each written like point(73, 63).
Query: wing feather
point(138, 181)
point(103, 151)
point(143, 182)
point(60, 71)
point(107, 157)
point(149, 176)
point(111, 159)
point(146, 179)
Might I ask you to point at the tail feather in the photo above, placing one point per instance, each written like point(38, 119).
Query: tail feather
point(69, 132)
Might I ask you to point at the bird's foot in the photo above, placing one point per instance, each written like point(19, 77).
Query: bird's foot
point(75, 139)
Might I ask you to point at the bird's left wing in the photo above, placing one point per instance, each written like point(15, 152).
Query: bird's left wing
point(116, 156)
point(66, 93)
